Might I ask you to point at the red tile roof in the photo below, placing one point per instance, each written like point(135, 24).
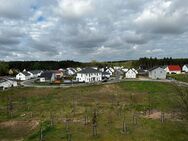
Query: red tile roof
point(174, 68)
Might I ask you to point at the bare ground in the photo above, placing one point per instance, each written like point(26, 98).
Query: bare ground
point(14, 129)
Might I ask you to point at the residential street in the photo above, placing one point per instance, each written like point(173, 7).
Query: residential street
point(30, 83)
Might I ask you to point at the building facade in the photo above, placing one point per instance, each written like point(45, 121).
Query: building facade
point(23, 76)
point(173, 69)
point(131, 73)
point(157, 73)
point(89, 75)
point(185, 68)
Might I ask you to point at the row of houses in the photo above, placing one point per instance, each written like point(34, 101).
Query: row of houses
point(94, 74)
point(176, 69)
point(25, 75)
point(161, 72)
point(84, 75)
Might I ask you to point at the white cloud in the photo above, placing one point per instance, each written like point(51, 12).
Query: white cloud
point(158, 50)
point(92, 29)
point(16, 8)
point(159, 17)
point(74, 8)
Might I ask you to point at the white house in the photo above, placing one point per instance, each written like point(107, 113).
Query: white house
point(89, 75)
point(135, 70)
point(110, 71)
point(35, 73)
point(157, 73)
point(71, 71)
point(4, 84)
point(23, 76)
point(105, 75)
point(47, 76)
point(117, 67)
point(96, 68)
point(124, 70)
point(7, 83)
point(11, 81)
point(185, 68)
point(131, 73)
point(78, 69)
point(102, 69)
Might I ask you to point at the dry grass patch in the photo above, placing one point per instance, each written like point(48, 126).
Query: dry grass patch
point(17, 130)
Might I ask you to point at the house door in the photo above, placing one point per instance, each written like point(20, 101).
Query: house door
point(93, 79)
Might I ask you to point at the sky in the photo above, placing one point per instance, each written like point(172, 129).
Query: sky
point(85, 30)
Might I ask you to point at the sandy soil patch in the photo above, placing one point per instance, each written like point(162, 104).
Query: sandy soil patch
point(13, 124)
point(157, 115)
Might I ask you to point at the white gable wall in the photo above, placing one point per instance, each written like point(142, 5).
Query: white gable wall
point(109, 71)
point(21, 76)
point(157, 73)
point(185, 68)
point(130, 74)
point(172, 72)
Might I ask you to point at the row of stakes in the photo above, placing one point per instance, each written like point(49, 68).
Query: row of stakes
point(94, 125)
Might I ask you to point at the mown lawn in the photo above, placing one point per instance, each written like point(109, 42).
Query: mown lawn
point(180, 77)
point(114, 103)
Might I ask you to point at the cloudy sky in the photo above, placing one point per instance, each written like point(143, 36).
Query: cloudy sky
point(85, 30)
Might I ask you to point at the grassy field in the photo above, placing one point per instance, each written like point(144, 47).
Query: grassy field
point(180, 77)
point(115, 104)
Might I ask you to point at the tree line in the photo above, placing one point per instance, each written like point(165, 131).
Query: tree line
point(35, 65)
point(146, 63)
point(17, 66)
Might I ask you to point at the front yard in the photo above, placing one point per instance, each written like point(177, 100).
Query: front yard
point(180, 77)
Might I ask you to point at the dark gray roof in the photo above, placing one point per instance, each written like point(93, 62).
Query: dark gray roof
point(105, 73)
point(154, 68)
point(26, 73)
point(89, 70)
point(164, 67)
point(72, 69)
point(47, 75)
point(142, 72)
point(2, 80)
point(35, 71)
